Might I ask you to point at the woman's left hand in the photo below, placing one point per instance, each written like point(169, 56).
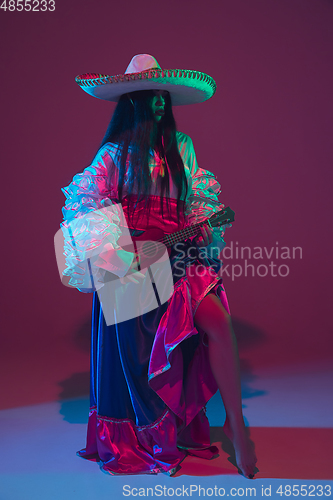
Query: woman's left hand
point(206, 236)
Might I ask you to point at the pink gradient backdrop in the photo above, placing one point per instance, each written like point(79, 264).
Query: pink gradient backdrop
point(266, 134)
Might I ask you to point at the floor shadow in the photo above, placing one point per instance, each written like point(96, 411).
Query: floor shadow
point(75, 386)
point(75, 411)
point(203, 468)
point(74, 391)
point(248, 337)
point(248, 378)
point(74, 398)
point(82, 336)
point(217, 465)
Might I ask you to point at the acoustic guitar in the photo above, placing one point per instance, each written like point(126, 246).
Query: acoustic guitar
point(151, 244)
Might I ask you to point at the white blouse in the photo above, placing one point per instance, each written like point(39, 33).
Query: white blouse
point(91, 219)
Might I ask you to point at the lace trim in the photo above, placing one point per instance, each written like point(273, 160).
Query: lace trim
point(98, 79)
point(130, 421)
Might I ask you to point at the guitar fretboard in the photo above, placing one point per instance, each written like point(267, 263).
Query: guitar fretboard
point(222, 217)
point(171, 239)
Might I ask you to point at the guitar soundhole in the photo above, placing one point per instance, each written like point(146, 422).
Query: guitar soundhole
point(150, 248)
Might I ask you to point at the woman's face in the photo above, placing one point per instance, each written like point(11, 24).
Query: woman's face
point(157, 104)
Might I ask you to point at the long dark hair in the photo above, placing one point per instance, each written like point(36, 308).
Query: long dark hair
point(134, 130)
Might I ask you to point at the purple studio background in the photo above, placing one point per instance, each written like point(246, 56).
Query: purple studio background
point(266, 134)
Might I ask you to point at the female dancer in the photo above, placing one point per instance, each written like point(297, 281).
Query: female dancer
point(152, 375)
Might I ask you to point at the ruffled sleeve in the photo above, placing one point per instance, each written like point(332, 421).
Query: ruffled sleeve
point(203, 191)
point(91, 227)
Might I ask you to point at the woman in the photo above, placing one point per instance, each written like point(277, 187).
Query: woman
point(152, 374)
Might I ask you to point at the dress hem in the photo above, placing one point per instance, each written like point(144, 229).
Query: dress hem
point(153, 449)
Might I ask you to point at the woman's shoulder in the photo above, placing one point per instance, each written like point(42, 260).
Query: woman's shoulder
point(185, 143)
point(95, 177)
point(108, 149)
point(183, 139)
point(186, 150)
point(103, 159)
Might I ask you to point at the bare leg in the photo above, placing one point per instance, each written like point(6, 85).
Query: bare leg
point(212, 317)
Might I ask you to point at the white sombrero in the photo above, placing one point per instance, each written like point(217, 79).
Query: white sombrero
point(144, 73)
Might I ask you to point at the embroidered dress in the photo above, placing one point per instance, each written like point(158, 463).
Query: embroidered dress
point(150, 375)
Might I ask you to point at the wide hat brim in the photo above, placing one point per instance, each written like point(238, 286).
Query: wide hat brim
point(184, 86)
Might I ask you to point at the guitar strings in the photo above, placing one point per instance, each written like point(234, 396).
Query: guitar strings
point(170, 239)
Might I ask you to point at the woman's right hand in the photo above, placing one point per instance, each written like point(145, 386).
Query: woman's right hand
point(133, 274)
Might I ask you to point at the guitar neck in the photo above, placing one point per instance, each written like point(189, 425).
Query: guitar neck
point(222, 217)
point(171, 239)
